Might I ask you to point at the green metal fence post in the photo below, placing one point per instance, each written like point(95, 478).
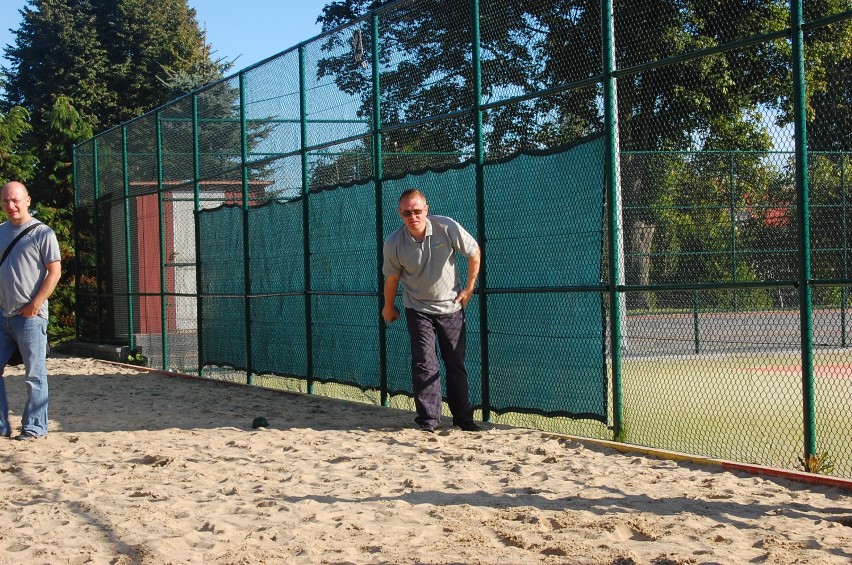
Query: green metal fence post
point(96, 237)
point(802, 201)
point(378, 172)
point(733, 216)
point(480, 210)
point(844, 291)
point(162, 230)
point(196, 174)
point(128, 257)
point(76, 234)
point(611, 172)
point(246, 244)
point(306, 220)
point(696, 322)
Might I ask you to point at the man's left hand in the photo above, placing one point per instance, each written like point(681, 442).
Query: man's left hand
point(463, 297)
point(29, 311)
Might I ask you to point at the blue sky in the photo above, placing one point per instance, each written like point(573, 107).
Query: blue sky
point(246, 30)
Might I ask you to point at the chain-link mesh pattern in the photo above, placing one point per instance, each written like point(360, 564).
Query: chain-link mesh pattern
point(664, 211)
point(546, 306)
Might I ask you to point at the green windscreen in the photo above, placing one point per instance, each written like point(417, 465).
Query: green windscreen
point(542, 222)
point(544, 215)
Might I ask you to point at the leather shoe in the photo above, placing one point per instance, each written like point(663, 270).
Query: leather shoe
point(470, 427)
point(428, 428)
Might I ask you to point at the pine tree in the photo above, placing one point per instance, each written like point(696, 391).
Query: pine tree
point(103, 62)
point(16, 163)
point(81, 66)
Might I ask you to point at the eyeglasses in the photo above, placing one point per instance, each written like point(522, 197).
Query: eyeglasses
point(408, 213)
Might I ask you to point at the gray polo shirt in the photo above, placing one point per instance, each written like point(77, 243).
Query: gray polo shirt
point(25, 269)
point(427, 269)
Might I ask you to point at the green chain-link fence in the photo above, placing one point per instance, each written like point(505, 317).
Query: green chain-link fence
point(660, 190)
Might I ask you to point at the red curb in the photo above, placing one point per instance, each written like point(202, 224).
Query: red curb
point(798, 476)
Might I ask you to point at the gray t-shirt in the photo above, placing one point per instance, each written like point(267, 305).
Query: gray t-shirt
point(427, 269)
point(24, 271)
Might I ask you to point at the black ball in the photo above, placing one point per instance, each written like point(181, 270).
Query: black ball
point(260, 422)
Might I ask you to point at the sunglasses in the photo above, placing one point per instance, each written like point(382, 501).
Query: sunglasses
point(408, 213)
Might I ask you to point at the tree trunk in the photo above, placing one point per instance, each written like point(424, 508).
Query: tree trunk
point(638, 263)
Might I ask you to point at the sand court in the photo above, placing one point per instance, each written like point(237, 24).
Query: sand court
point(146, 468)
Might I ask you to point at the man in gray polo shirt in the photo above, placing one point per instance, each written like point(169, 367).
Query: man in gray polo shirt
point(422, 256)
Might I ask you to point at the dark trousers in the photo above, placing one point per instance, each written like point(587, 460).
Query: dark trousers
point(451, 333)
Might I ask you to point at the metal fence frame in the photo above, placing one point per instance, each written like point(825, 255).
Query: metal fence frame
point(88, 156)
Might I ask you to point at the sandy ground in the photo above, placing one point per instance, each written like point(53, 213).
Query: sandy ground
point(147, 468)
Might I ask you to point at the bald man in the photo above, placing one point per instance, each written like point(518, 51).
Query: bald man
point(28, 276)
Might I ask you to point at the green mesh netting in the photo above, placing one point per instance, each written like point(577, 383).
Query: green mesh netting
point(544, 217)
point(546, 335)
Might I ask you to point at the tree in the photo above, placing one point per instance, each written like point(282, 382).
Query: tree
point(720, 102)
point(100, 60)
point(105, 56)
point(146, 41)
point(64, 127)
point(426, 71)
point(16, 162)
point(78, 66)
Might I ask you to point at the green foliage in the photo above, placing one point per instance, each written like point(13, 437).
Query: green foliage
point(829, 108)
point(819, 463)
point(342, 167)
point(182, 81)
point(62, 301)
point(136, 358)
point(16, 162)
point(830, 216)
point(65, 127)
point(101, 55)
point(686, 216)
point(81, 66)
point(57, 51)
point(145, 40)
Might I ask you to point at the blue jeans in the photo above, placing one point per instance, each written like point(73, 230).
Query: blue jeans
point(30, 335)
point(450, 331)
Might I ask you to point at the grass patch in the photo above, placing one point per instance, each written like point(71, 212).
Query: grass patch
point(745, 408)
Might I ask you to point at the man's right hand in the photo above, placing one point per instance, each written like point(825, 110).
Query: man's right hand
point(390, 313)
